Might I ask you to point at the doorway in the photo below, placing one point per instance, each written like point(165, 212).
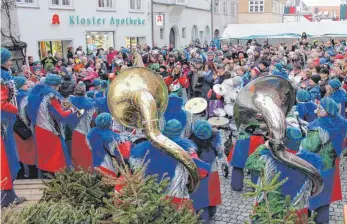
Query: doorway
point(173, 37)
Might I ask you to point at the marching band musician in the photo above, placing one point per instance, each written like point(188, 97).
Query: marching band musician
point(81, 156)
point(162, 163)
point(9, 160)
point(210, 145)
point(24, 139)
point(325, 137)
point(103, 142)
point(47, 116)
point(247, 142)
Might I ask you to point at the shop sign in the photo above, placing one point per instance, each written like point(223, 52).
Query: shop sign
point(159, 20)
point(77, 20)
point(55, 19)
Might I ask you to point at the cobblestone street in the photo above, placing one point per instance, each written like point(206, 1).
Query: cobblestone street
point(236, 209)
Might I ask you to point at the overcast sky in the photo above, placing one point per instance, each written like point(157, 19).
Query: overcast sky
point(322, 2)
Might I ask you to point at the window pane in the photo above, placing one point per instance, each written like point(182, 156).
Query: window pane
point(66, 2)
point(251, 9)
point(55, 2)
point(18, 0)
point(139, 6)
point(100, 3)
point(261, 2)
point(132, 4)
point(256, 8)
point(261, 8)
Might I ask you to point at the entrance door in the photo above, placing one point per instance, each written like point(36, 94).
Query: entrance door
point(172, 37)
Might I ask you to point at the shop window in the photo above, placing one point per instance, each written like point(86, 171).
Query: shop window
point(161, 33)
point(133, 41)
point(184, 35)
point(135, 5)
point(96, 40)
point(52, 46)
point(106, 4)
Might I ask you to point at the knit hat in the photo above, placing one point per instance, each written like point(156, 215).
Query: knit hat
point(256, 70)
point(315, 78)
point(163, 67)
point(293, 138)
point(97, 82)
point(202, 129)
point(303, 95)
point(330, 106)
point(104, 84)
point(19, 81)
point(175, 103)
point(335, 83)
point(90, 94)
point(5, 55)
point(103, 120)
point(322, 61)
point(279, 66)
point(264, 63)
point(37, 68)
point(80, 89)
point(53, 80)
point(173, 128)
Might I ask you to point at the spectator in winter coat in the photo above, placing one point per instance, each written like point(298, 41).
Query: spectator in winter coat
point(67, 87)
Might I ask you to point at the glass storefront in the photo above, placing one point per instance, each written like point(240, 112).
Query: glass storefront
point(98, 39)
point(133, 41)
point(52, 46)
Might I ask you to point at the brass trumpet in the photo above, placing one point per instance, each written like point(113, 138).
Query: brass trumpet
point(69, 106)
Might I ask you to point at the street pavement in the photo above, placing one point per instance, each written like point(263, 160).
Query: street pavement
point(236, 208)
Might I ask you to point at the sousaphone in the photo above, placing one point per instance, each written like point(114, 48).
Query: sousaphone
point(267, 100)
point(138, 99)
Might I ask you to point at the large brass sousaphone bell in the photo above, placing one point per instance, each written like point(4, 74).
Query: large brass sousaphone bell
point(269, 99)
point(138, 98)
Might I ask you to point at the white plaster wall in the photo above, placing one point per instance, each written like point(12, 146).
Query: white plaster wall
point(35, 23)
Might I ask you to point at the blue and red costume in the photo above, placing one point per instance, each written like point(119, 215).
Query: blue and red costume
point(81, 156)
point(103, 145)
point(210, 145)
point(47, 118)
point(245, 145)
point(9, 158)
point(162, 163)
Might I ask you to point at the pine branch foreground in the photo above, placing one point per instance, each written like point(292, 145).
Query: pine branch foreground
point(78, 197)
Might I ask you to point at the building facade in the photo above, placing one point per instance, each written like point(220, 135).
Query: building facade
point(55, 25)
point(190, 20)
point(260, 11)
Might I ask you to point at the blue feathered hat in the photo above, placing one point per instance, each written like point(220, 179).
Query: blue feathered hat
point(5, 55)
point(19, 81)
point(330, 106)
point(53, 80)
point(293, 138)
point(103, 120)
point(97, 82)
point(303, 95)
point(173, 128)
point(202, 129)
point(335, 83)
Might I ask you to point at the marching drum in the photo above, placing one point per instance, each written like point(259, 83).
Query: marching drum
point(196, 108)
point(219, 112)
